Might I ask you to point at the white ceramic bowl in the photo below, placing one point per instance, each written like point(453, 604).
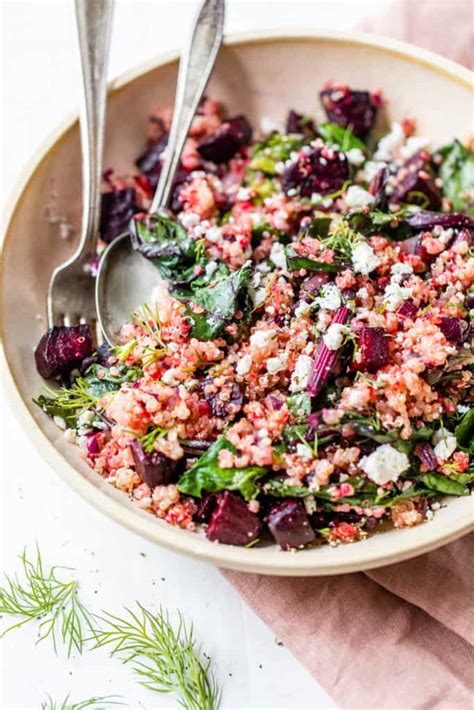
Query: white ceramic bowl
point(260, 75)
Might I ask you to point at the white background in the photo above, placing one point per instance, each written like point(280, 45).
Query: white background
point(40, 86)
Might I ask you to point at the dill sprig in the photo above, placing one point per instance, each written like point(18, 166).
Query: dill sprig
point(342, 240)
point(149, 321)
point(42, 596)
point(99, 703)
point(148, 440)
point(74, 398)
point(165, 659)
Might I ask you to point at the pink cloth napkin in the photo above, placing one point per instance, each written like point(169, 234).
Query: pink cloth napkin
point(401, 636)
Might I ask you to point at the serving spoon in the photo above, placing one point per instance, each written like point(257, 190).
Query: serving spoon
point(125, 278)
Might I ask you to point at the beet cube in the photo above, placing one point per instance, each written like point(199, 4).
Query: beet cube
point(425, 453)
point(224, 144)
point(206, 507)
point(454, 329)
point(297, 123)
point(118, 208)
point(407, 310)
point(321, 171)
point(289, 524)
point(349, 108)
point(425, 219)
point(63, 348)
point(415, 183)
point(155, 468)
point(373, 349)
point(232, 523)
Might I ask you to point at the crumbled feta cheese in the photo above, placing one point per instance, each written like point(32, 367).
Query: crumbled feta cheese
point(463, 408)
point(310, 504)
point(189, 219)
point(171, 378)
point(211, 267)
point(413, 145)
point(277, 255)
point(330, 297)
point(244, 365)
point(280, 167)
point(394, 295)
point(262, 339)
point(362, 293)
point(243, 193)
point(85, 418)
point(214, 234)
point(445, 444)
point(444, 235)
point(300, 376)
point(384, 464)
point(276, 364)
point(370, 170)
point(304, 451)
point(334, 336)
point(316, 197)
point(364, 259)
point(357, 198)
point(355, 156)
point(399, 269)
point(268, 125)
point(303, 309)
point(390, 144)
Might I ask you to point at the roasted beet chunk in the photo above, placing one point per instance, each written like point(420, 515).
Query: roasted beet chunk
point(232, 523)
point(289, 524)
point(224, 144)
point(118, 207)
point(150, 162)
point(415, 183)
point(156, 469)
point(62, 348)
point(428, 220)
point(349, 108)
point(372, 351)
point(425, 453)
point(454, 329)
point(205, 508)
point(321, 171)
point(407, 310)
point(297, 123)
point(224, 396)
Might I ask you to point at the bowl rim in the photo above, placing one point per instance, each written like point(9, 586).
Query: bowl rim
point(143, 524)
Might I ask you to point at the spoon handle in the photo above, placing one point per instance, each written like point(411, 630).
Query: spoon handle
point(93, 19)
point(195, 68)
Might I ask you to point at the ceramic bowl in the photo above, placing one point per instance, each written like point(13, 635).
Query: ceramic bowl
point(261, 76)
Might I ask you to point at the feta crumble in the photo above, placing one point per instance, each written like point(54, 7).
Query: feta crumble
point(355, 156)
point(334, 336)
point(244, 365)
point(445, 444)
point(262, 339)
point(395, 295)
point(384, 464)
point(358, 198)
point(389, 146)
point(304, 451)
point(277, 255)
point(330, 297)
point(277, 364)
point(364, 259)
point(303, 309)
point(300, 376)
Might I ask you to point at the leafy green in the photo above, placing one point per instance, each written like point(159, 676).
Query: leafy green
point(299, 405)
point(319, 225)
point(343, 240)
point(219, 304)
point(296, 262)
point(278, 488)
point(444, 484)
point(98, 702)
point(457, 174)
point(275, 149)
point(207, 476)
point(341, 138)
point(99, 380)
point(167, 244)
point(373, 222)
point(464, 431)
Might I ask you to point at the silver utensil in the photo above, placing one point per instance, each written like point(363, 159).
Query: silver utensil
point(125, 279)
point(71, 288)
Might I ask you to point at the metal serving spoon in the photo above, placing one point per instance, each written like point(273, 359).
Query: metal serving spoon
point(125, 279)
point(71, 288)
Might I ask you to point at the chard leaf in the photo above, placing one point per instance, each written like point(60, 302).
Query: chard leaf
point(464, 431)
point(319, 225)
point(219, 302)
point(99, 380)
point(278, 488)
point(275, 149)
point(457, 174)
point(368, 223)
point(207, 476)
point(341, 138)
point(296, 262)
point(444, 484)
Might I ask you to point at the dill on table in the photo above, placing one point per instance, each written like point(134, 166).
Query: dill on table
point(166, 659)
point(99, 703)
point(40, 595)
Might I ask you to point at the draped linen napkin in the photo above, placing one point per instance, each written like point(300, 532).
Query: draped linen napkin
point(400, 636)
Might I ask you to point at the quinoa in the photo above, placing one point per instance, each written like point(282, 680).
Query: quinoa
point(285, 263)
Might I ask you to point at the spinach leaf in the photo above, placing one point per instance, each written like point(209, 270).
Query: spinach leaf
point(464, 431)
point(296, 262)
point(457, 174)
point(444, 484)
point(99, 380)
point(55, 408)
point(368, 223)
point(319, 225)
point(275, 149)
point(299, 405)
point(341, 138)
point(207, 476)
point(219, 302)
point(278, 488)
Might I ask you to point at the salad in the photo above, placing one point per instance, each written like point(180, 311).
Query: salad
point(304, 370)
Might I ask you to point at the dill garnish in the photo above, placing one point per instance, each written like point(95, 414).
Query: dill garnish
point(99, 703)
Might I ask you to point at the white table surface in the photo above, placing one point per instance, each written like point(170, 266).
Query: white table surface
point(40, 86)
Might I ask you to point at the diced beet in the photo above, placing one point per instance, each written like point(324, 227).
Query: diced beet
point(102, 356)
point(232, 523)
point(377, 186)
point(464, 235)
point(312, 284)
point(117, 209)
point(156, 469)
point(454, 329)
point(206, 507)
point(425, 453)
point(63, 348)
point(150, 162)
point(224, 144)
point(349, 108)
point(407, 310)
point(427, 220)
point(325, 359)
point(225, 400)
point(297, 123)
point(372, 349)
point(415, 182)
point(93, 444)
point(322, 171)
point(289, 524)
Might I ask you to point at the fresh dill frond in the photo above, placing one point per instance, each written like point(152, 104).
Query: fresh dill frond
point(148, 440)
point(166, 659)
point(75, 398)
point(148, 320)
point(122, 352)
point(99, 703)
point(41, 596)
point(343, 240)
